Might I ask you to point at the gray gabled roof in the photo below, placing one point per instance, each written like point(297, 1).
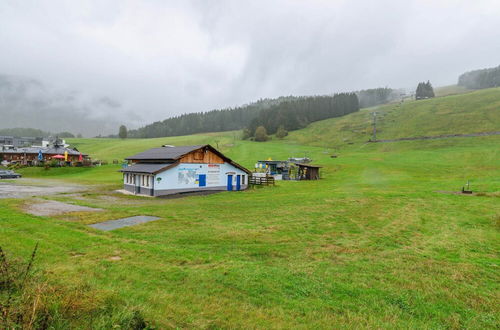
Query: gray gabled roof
point(174, 154)
point(46, 151)
point(164, 153)
point(146, 168)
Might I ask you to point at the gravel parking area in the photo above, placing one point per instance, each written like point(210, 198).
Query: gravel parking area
point(21, 188)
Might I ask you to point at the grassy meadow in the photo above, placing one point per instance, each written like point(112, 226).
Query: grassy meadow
point(377, 243)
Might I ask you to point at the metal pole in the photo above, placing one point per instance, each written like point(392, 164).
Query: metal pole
point(374, 126)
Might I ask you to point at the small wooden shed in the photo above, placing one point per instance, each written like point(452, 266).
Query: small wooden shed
point(308, 172)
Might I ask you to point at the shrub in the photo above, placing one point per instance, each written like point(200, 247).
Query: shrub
point(261, 134)
point(246, 134)
point(282, 132)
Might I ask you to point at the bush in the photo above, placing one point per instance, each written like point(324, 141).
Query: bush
point(246, 134)
point(282, 132)
point(261, 134)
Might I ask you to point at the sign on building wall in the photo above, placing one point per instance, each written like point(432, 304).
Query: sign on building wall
point(213, 174)
point(186, 175)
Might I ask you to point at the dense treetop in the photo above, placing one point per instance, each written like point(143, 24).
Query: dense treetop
point(211, 121)
point(299, 113)
point(479, 79)
point(291, 112)
point(424, 91)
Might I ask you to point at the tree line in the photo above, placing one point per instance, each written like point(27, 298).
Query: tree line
point(34, 132)
point(478, 79)
point(298, 113)
point(212, 121)
point(291, 112)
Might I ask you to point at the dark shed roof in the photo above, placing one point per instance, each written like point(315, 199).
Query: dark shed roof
point(146, 168)
point(164, 153)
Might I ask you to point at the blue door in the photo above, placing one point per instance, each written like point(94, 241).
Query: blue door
point(202, 179)
point(229, 182)
point(238, 182)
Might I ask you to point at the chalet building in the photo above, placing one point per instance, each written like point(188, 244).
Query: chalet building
point(171, 170)
point(31, 156)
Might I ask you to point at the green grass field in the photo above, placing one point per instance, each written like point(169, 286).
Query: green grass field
point(374, 244)
point(450, 90)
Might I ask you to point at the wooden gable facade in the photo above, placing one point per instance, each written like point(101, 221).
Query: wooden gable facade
point(202, 156)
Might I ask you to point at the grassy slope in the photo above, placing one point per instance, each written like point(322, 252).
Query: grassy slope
point(372, 244)
point(466, 113)
point(450, 90)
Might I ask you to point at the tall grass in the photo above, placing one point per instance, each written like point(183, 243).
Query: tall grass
point(28, 301)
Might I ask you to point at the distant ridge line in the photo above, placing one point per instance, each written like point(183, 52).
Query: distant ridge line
point(437, 137)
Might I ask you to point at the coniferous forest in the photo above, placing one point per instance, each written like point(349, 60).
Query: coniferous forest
point(291, 112)
point(479, 79)
point(203, 122)
point(299, 113)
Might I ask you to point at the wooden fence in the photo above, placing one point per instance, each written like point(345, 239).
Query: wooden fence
point(261, 180)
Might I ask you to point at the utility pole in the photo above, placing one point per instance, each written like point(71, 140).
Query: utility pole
point(374, 125)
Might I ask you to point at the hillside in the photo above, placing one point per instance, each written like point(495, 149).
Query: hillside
point(380, 241)
point(472, 112)
point(465, 113)
point(450, 90)
point(372, 243)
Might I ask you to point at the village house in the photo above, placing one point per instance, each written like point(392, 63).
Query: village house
point(171, 170)
point(32, 156)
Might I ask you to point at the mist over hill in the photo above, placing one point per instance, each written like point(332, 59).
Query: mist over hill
point(26, 102)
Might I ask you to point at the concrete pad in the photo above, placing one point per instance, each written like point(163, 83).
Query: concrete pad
point(47, 208)
point(125, 222)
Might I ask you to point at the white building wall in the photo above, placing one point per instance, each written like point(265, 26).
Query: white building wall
point(185, 176)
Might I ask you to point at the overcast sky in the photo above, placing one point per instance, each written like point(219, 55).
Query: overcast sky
point(160, 58)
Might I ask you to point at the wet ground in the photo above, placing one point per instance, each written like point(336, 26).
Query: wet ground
point(47, 208)
point(125, 222)
point(21, 188)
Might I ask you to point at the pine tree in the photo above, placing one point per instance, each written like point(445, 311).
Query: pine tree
point(424, 90)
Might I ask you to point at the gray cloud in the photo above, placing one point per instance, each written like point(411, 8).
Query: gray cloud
point(142, 61)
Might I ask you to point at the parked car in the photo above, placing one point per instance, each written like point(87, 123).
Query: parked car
point(7, 174)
